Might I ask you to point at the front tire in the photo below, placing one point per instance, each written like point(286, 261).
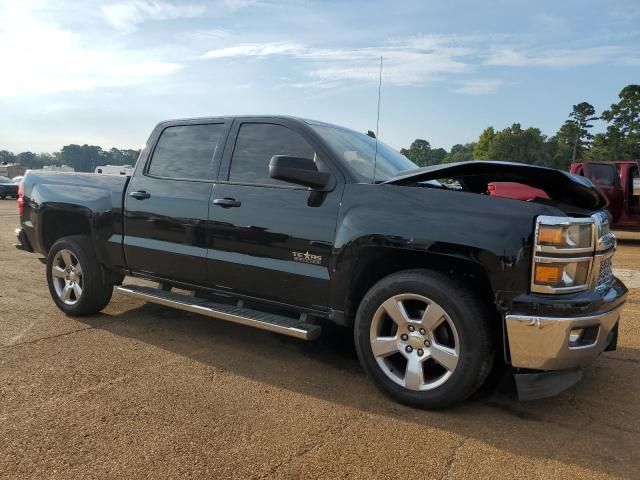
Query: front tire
point(75, 278)
point(424, 339)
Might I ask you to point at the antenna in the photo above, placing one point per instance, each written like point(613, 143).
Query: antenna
point(375, 156)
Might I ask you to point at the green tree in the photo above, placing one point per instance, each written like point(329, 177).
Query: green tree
point(483, 146)
point(625, 117)
point(575, 131)
point(28, 159)
point(460, 153)
point(557, 153)
point(83, 158)
point(7, 157)
point(608, 146)
point(418, 152)
point(518, 145)
point(437, 156)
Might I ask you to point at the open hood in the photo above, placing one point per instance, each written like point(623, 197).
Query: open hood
point(475, 176)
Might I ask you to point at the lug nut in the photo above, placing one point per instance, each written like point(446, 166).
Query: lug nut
point(411, 328)
point(427, 343)
point(422, 331)
point(409, 349)
point(420, 352)
point(404, 337)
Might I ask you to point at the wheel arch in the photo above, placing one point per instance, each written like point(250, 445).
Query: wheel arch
point(57, 223)
point(374, 263)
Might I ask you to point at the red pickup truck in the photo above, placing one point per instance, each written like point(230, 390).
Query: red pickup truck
point(619, 181)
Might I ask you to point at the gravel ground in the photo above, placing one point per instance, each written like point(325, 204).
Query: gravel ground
point(142, 391)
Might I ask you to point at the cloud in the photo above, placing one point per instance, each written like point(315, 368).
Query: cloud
point(40, 57)
point(479, 86)
point(126, 15)
point(410, 61)
point(560, 57)
point(256, 50)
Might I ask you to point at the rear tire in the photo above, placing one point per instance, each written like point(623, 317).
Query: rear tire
point(75, 278)
point(432, 351)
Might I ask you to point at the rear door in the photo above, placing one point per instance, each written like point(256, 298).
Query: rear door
point(607, 179)
point(167, 202)
point(272, 239)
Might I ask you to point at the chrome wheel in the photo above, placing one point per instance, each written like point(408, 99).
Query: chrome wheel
point(66, 273)
point(414, 342)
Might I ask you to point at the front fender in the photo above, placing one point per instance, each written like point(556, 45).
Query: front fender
point(493, 235)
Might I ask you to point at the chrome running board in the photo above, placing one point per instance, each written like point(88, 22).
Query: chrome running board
point(293, 327)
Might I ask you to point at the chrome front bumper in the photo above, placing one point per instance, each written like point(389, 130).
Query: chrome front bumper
point(545, 343)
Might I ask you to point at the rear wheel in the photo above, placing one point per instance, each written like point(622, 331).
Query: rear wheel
point(423, 339)
point(75, 277)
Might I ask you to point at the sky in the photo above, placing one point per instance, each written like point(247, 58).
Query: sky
point(105, 72)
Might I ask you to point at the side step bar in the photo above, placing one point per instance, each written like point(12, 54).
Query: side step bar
point(292, 327)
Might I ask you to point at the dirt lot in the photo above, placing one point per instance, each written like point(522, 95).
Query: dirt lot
point(142, 391)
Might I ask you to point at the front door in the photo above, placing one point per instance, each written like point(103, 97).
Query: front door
point(167, 203)
point(268, 238)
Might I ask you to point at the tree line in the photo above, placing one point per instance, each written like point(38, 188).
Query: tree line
point(573, 142)
point(83, 158)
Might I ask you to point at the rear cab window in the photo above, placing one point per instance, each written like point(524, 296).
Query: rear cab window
point(186, 152)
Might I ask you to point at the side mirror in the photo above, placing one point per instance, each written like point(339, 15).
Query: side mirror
point(298, 170)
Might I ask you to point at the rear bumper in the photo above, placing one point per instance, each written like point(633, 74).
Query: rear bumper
point(565, 342)
point(23, 240)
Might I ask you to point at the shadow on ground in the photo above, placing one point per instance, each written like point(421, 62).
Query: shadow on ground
point(327, 369)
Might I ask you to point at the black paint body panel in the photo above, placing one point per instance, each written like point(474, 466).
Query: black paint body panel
point(254, 250)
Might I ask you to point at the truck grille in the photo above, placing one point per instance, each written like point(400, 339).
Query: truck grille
point(605, 277)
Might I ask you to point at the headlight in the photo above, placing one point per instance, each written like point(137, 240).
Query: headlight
point(571, 254)
point(564, 235)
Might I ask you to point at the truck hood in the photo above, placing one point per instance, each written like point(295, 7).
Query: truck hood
point(475, 176)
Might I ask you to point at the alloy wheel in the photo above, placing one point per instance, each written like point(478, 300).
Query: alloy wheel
point(66, 272)
point(414, 342)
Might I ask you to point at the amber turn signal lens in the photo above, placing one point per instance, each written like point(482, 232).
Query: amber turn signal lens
point(548, 274)
point(551, 235)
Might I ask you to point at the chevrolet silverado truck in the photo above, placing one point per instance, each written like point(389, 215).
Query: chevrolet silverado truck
point(290, 225)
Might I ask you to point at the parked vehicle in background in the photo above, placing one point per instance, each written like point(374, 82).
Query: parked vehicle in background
point(620, 183)
point(17, 179)
point(287, 225)
point(114, 169)
point(8, 188)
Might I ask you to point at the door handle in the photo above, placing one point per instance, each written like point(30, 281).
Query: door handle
point(140, 195)
point(227, 202)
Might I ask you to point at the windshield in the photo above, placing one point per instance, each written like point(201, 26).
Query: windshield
point(4, 180)
point(358, 151)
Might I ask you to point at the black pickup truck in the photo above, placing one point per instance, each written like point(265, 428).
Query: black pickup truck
point(285, 224)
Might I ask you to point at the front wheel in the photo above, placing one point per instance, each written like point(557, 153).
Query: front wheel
point(424, 339)
point(75, 278)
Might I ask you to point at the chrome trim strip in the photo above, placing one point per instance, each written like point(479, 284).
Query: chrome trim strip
point(223, 312)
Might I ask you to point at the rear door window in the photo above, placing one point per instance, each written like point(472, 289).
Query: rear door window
point(186, 151)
